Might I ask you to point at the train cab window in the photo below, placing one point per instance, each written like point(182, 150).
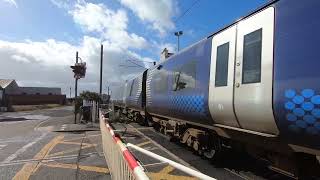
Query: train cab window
point(222, 65)
point(160, 80)
point(185, 76)
point(251, 68)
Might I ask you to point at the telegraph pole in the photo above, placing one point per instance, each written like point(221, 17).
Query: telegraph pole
point(70, 92)
point(76, 92)
point(79, 70)
point(101, 63)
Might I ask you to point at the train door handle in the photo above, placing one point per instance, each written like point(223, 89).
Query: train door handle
point(237, 85)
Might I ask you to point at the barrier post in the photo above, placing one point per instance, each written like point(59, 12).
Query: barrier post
point(121, 163)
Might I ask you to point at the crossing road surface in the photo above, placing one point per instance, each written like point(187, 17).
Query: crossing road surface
point(41, 145)
point(29, 149)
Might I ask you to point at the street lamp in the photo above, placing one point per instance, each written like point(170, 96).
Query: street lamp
point(178, 34)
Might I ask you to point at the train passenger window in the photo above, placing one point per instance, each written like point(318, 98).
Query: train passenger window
point(185, 77)
point(251, 68)
point(160, 82)
point(222, 65)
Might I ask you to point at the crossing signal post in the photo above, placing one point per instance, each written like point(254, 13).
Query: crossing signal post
point(79, 70)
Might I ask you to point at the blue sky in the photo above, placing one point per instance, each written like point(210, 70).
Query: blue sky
point(136, 29)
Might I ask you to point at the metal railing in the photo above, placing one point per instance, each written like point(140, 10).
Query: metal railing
point(181, 167)
point(121, 163)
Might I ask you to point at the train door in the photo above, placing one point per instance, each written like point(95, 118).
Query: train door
point(222, 78)
point(254, 73)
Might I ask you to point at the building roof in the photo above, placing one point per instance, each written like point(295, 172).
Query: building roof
point(5, 82)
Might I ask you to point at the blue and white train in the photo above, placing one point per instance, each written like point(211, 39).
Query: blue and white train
point(254, 84)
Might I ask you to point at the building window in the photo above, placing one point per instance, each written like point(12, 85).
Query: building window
point(185, 76)
point(251, 68)
point(222, 65)
point(160, 81)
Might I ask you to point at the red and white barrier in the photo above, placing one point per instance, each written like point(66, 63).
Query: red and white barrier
point(121, 163)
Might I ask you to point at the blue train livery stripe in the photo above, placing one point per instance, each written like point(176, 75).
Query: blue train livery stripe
point(296, 99)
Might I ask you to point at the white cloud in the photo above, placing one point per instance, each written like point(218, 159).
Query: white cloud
point(159, 12)
point(111, 24)
point(20, 58)
point(11, 2)
point(48, 63)
point(97, 17)
point(62, 3)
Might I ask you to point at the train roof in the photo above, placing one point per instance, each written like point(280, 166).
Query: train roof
point(212, 34)
point(244, 17)
point(219, 30)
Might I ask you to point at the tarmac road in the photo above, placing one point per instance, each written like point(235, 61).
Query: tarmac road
point(30, 149)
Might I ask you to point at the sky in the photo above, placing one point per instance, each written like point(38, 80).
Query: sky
point(39, 38)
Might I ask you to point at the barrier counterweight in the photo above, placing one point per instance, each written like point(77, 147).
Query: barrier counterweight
point(122, 165)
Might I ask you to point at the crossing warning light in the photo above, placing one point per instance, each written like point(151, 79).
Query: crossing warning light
point(79, 70)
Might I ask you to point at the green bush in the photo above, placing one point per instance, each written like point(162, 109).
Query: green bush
point(86, 95)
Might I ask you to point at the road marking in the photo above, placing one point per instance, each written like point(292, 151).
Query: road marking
point(74, 166)
point(23, 149)
point(143, 143)
point(76, 143)
point(45, 159)
point(30, 168)
point(2, 146)
point(235, 173)
point(150, 148)
point(70, 150)
point(38, 125)
point(173, 155)
point(165, 150)
point(164, 174)
point(94, 135)
point(154, 164)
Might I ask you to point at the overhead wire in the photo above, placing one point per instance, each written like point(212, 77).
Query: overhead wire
point(187, 10)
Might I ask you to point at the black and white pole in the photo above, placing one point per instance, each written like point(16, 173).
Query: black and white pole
point(76, 92)
point(101, 63)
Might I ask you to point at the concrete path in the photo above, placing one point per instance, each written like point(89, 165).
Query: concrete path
point(30, 149)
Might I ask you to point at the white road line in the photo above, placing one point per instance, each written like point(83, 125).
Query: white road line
point(176, 157)
point(23, 149)
point(38, 125)
point(164, 149)
point(154, 164)
point(239, 175)
point(13, 141)
point(46, 159)
point(2, 146)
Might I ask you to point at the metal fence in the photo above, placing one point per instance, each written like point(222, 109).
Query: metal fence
point(94, 110)
point(121, 163)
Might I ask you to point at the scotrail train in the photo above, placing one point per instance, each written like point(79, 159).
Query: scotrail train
point(254, 84)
